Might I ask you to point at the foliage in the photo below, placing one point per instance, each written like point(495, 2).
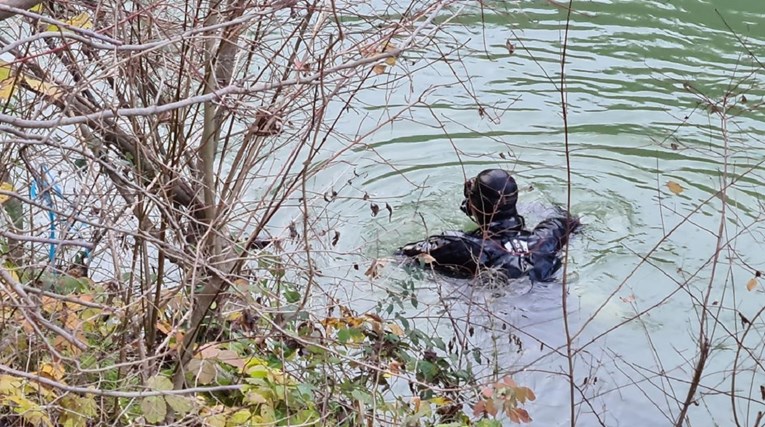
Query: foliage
point(146, 277)
point(504, 397)
point(336, 370)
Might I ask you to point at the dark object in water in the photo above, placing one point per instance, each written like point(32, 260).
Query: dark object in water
point(501, 242)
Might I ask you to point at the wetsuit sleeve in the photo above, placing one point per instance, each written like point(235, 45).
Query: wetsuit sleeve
point(455, 253)
point(545, 241)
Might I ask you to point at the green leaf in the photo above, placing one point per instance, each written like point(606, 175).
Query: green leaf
point(439, 343)
point(238, 418)
point(217, 420)
point(180, 404)
point(427, 369)
point(203, 371)
point(159, 383)
point(154, 409)
point(292, 296)
point(255, 398)
point(81, 163)
point(362, 396)
point(343, 335)
point(267, 413)
point(404, 321)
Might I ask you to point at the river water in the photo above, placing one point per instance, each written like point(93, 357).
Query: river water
point(642, 77)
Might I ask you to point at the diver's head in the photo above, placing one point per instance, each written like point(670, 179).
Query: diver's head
point(490, 196)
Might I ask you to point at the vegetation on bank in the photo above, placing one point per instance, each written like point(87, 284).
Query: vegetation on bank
point(78, 358)
point(142, 283)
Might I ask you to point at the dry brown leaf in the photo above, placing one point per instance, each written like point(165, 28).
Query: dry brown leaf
point(394, 367)
point(203, 370)
point(751, 284)
point(231, 358)
point(513, 415)
point(509, 381)
point(491, 407)
point(510, 46)
point(530, 394)
point(426, 258)
point(675, 187)
point(487, 392)
point(395, 329)
point(378, 69)
point(210, 351)
point(374, 269)
point(629, 298)
point(479, 408)
point(416, 402)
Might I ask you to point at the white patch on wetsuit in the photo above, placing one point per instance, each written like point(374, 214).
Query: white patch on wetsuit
point(517, 247)
point(520, 248)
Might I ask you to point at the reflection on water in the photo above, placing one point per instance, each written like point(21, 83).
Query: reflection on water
point(637, 74)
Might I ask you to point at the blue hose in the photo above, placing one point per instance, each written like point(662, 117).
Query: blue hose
point(43, 187)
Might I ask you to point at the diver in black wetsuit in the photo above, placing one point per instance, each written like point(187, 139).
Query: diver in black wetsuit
point(501, 242)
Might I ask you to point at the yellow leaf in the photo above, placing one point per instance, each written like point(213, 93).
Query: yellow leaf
point(12, 271)
point(53, 371)
point(238, 418)
point(234, 316)
point(47, 89)
point(9, 384)
point(80, 21)
point(217, 420)
point(378, 69)
point(5, 70)
point(751, 284)
point(440, 401)
point(5, 186)
point(36, 8)
point(391, 60)
point(6, 92)
point(675, 187)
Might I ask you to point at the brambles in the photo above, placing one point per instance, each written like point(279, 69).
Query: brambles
point(340, 370)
